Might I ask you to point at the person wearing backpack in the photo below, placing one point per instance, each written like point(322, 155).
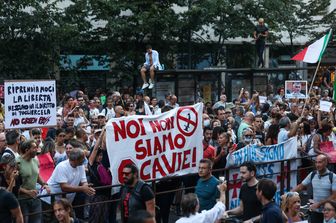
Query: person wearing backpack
point(99, 176)
point(323, 183)
point(135, 194)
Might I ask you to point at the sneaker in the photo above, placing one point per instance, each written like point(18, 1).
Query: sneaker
point(151, 85)
point(144, 86)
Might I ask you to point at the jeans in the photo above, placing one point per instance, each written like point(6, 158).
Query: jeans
point(260, 45)
point(29, 206)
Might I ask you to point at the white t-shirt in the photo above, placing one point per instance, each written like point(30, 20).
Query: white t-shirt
point(65, 173)
point(109, 113)
point(209, 216)
point(94, 112)
point(283, 135)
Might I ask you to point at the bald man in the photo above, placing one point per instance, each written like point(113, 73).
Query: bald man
point(323, 182)
point(260, 33)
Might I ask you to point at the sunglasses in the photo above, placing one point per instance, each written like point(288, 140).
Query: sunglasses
point(291, 194)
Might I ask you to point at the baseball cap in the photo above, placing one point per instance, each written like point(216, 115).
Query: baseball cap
point(101, 114)
point(7, 158)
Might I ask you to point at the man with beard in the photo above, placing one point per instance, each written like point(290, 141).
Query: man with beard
point(249, 205)
point(29, 173)
point(209, 151)
point(135, 194)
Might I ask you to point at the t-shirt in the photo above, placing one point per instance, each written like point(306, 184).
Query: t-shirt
point(29, 172)
point(261, 29)
point(207, 192)
point(205, 216)
point(271, 213)
point(7, 203)
point(252, 206)
point(65, 173)
point(209, 152)
point(283, 135)
point(322, 188)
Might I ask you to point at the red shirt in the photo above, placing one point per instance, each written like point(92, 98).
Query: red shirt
point(209, 151)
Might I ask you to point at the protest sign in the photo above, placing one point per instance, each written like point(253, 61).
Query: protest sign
point(328, 148)
point(30, 104)
point(262, 99)
point(159, 145)
point(282, 151)
point(325, 106)
point(296, 89)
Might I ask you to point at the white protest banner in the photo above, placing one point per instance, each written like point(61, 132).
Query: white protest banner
point(30, 104)
point(325, 106)
point(159, 145)
point(282, 151)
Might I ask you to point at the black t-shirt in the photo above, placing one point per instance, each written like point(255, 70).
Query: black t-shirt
point(293, 117)
point(18, 182)
point(252, 206)
point(261, 30)
point(7, 203)
point(222, 162)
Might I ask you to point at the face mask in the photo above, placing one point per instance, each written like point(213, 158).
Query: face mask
point(248, 139)
point(206, 123)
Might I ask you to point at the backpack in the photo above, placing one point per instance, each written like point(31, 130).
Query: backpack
point(331, 176)
point(105, 177)
point(309, 142)
point(100, 175)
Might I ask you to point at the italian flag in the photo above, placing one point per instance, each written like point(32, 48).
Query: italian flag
point(313, 52)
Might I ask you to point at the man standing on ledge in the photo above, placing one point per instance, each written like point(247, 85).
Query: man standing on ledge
point(152, 63)
point(260, 33)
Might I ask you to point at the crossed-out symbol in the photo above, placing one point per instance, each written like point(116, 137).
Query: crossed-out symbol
point(190, 122)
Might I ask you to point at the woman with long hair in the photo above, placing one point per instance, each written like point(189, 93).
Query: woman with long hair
point(272, 134)
point(290, 205)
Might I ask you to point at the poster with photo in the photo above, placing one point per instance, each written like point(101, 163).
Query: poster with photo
point(296, 89)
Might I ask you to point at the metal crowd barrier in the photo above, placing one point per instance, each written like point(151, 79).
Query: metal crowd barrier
point(284, 175)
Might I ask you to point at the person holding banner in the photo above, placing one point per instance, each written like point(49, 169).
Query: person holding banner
point(190, 206)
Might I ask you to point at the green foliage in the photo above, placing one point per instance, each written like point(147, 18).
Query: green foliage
point(33, 33)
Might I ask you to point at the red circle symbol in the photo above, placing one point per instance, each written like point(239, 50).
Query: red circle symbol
point(121, 167)
point(189, 122)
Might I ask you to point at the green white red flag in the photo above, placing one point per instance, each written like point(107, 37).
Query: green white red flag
point(314, 52)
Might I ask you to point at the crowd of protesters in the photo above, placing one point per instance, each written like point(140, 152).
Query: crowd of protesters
point(75, 151)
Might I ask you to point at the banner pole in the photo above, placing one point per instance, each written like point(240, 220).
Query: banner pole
point(311, 86)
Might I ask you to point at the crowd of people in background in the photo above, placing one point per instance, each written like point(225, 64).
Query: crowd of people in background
point(75, 151)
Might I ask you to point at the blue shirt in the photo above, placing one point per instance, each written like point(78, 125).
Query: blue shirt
point(207, 192)
point(271, 213)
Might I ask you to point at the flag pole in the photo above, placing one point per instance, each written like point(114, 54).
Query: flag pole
point(311, 86)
